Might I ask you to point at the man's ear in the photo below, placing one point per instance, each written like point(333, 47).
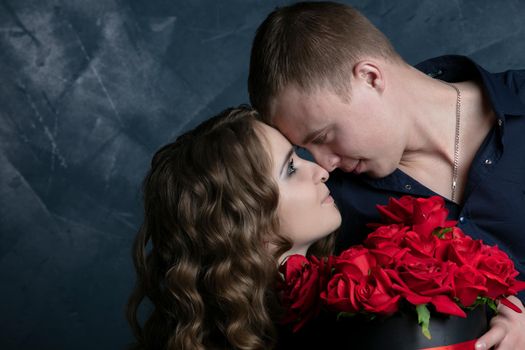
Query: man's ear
point(369, 73)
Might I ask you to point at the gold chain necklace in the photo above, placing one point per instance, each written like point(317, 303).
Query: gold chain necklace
point(456, 141)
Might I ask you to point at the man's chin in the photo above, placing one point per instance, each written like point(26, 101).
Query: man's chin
point(373, 175)
point(379, 174)
point(365, 169)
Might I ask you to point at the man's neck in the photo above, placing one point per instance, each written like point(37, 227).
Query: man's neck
point(429, 106)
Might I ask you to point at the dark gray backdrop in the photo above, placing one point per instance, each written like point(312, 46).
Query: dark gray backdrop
point(89, 89)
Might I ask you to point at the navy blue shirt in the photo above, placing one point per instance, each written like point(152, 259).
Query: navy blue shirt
point(494, 202)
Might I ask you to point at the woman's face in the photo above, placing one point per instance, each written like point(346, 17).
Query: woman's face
point(306, 210)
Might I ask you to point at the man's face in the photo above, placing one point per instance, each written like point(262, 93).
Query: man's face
point(360, 135)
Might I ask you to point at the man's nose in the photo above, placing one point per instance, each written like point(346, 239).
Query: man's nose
point(327, 160)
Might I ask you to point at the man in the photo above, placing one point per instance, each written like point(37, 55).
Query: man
point(332, 83)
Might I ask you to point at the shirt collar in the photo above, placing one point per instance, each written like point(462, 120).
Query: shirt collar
point(453, 68)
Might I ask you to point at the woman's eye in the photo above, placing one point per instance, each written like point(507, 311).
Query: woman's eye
point(291, 168)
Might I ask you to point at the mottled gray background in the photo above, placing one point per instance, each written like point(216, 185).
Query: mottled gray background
point(89, 89)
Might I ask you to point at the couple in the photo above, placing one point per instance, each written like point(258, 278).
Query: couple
point(228, 201)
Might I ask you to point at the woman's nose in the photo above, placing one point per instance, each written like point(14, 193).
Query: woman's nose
point(320, 173)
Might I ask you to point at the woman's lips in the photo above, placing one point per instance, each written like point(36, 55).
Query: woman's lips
point(328, 200)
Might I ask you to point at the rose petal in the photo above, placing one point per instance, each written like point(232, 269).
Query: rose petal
point(445, 305)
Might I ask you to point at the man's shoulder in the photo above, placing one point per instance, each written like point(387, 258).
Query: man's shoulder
point(447, 67)
point(515, 80)
point(457, 67)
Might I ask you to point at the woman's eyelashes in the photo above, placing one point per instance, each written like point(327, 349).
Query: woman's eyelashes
point(291, 168)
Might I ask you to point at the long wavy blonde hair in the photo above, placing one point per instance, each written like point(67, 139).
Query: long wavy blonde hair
point(210, 208)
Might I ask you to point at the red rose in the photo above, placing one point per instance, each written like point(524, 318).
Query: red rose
point(426, 276)
point(387, 256)
point(300, 289)
point(423, 214)
point(430, 213)
point(498, 269)
point(371, 293)
point(376, 295)
point(340, 294)
point(462, 250)
point(385, 244)
point(421, 245)
point(357, 261)
point(384, 236)
point(397, 211)
point(424, 280)
point(446, 236)
point(358, 285)
point(469, 284)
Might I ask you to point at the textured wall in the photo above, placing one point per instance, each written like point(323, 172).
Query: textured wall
point(89, 89)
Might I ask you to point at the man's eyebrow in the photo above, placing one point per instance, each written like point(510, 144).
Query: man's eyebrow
point(286, 159)
point(312, 135)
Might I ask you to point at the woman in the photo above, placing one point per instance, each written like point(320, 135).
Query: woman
point(224, 204)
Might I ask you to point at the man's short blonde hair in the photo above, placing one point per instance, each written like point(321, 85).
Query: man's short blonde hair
point(309, 45)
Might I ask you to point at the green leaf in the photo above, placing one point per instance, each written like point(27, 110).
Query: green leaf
point(342, 315)
point(423, 318)
point(440, 231)
point(492, 304)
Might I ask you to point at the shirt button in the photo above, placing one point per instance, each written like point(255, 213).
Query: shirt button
point(462, 219)
point(488, 161)
point(408, 187)
point(500, 122)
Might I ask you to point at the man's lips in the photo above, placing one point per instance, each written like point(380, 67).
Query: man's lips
point(353, 169)
point(358, 168)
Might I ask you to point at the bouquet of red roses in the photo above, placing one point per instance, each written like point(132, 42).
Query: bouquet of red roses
point(415, 257)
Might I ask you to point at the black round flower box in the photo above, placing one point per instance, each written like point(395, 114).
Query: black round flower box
point(398, 332)
point(402, 332)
